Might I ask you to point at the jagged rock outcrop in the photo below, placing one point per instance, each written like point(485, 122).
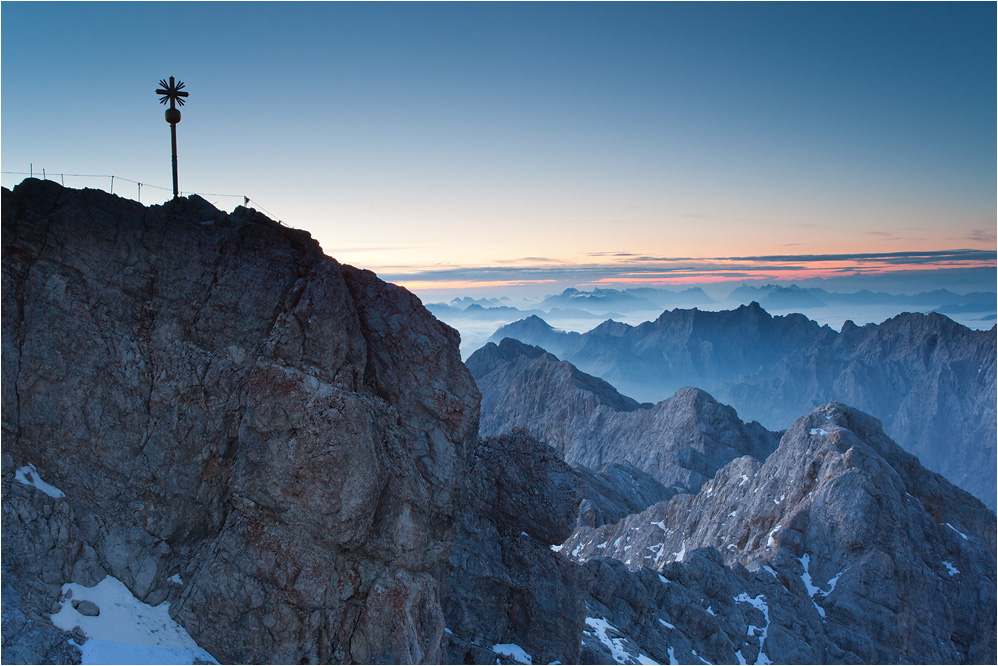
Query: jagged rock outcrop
point(505, 586)
point(860, 554)
point(218, 402)
point(616, 491)
point(28, 640)
point(680, 442)
point(929, 380)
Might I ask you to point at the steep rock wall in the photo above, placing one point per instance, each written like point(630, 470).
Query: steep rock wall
point(220, 401)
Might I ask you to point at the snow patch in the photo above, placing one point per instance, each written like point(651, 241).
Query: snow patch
point(710, 611)
point(819, 431)
point(744, 479)
point(812, 589)
point(952, 570)
point(681, 554)
point(672, 657)
point(759, 602)
point(557, 549)
point(666, 624)
point(513, 651)
point(661, 524)
point(600, 628)
point(771, 570)
point(126, 631)
point(965, 537)
point(28, 475)
point(176, 579)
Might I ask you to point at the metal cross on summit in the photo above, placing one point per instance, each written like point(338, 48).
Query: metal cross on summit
point(172, 92)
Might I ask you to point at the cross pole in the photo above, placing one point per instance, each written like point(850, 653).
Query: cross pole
point(172, 92)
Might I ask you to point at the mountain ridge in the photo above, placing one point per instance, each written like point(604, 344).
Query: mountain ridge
point(930, 380)
point(680, 442)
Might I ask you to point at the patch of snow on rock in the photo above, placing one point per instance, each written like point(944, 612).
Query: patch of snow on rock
point(965, 537)
point(513, 651)
point(28, 475)
point(125, 630)
point(600, 628)
point(759, 602)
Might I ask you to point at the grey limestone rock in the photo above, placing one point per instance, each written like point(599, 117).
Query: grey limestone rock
point(929, 380)
point(860, 553)
point(30, 639)
point(216, 397)
point(680, 442)
point(505, 586)
point(618, 490)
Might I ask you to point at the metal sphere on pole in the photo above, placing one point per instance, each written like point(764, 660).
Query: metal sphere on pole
point(172, 92)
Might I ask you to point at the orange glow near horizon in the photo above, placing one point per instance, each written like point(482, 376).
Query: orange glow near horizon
point(708, 271)
point(428, 285)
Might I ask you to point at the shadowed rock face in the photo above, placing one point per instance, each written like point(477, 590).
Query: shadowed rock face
point(680, 442)
point(860, 553)
point(929, 380)
point(219, 400)
point(505, 585)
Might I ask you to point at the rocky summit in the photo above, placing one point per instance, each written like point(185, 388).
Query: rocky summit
point(207, 409)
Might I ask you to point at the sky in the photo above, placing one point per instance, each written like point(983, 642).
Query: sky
point(470, 148)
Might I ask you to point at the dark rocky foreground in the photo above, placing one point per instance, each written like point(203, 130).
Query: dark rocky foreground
point(219, 400)
point(286, 451)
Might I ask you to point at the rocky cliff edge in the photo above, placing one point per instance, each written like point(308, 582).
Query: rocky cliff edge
point(231, 422)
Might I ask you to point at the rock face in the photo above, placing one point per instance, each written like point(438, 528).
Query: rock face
point(217, 399)
point(929, 380)
point(848, 549)
point(505, 586)
point(616, 491)
point(680, 442)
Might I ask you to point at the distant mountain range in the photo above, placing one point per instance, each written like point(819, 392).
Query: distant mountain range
point(777, 297)
point(638, 299)
point(478, 312)
point(930, 380)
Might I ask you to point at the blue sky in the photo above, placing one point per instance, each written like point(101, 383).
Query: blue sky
point(429, 140)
